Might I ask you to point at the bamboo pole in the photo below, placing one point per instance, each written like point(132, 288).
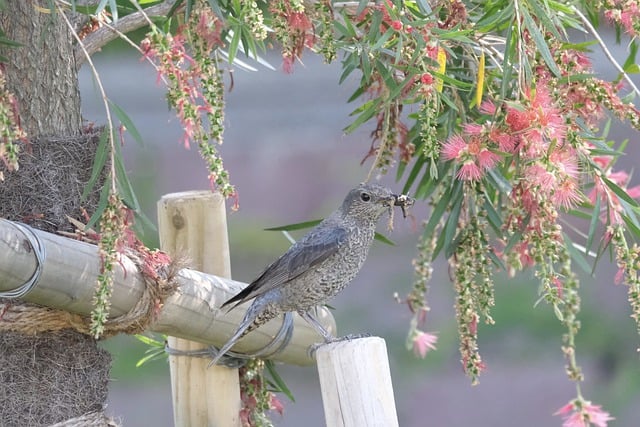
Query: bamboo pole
point(69, 274)
point(356, 383)
point(194, 224)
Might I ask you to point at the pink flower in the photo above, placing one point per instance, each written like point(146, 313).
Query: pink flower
point(396, 25)
point(287, 63)
point(487, 159)
point(423, 342)
point(426, 79)
point(472, 128)
point(275, 404)
point(567, 194)
point(469, 171)
point(453, 147)
point(579, 413)
point(473, 155)
point(488, 107)
point(517, 119)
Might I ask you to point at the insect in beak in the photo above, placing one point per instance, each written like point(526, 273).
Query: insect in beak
point(403, 201)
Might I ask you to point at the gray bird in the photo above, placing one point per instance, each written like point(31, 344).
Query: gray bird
point(318, 266)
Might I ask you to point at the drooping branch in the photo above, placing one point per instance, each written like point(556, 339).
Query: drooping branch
point(99, 38)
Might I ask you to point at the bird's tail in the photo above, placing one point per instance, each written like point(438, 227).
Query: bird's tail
point(254, 317)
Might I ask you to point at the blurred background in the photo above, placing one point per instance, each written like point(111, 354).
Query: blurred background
point(291, 162)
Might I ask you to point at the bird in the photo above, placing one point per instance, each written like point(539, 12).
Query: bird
point(318, 266)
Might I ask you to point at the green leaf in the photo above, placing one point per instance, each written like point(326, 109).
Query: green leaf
point(98, 163)
point(631, 58)
point(436, 214)
point(494, 218)
point(380, 41)
point(543, 15)
point(507, 63)
point(424, 7)
point(365, 116)
point(362, 4)
point(413, 174)
point(576, 254)
point(127, 122)
point(595, 216)
point(632, 69)
point(540, 42)
point(516, 236)
point(235, 42)
point(9, 43)
point(496, 261)
point(150, 341)
point(622, 194)
point(102, 204)
point(632, 223)
point(277, 379)
point(125, 189)
point(383, 239)
point(308, 224)
point(296, 226)
point(451, 227)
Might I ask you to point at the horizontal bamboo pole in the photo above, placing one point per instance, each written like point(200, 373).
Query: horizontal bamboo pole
point(68, 281)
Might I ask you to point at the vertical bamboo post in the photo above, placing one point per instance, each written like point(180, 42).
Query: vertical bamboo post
point(356, 384)
point(194, 224)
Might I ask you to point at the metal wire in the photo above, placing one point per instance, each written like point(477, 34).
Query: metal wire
point(235, 360)
point(40, 253)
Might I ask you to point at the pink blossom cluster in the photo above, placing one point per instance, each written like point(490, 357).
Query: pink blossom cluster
point(534, 131)
point(255, 397)
point(580, 413)
point(294, 30)
point(194, 86)
point(625, 13)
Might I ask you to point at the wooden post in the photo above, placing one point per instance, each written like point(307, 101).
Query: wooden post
point(194, 225)
point(356, 384)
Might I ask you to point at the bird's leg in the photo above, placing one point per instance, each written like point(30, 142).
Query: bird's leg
point(328, 338)
point(317, 326)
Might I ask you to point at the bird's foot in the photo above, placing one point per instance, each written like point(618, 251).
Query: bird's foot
point(351, 337)
point(311, 351)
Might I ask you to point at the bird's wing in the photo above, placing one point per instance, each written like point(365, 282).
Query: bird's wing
point(311, 250)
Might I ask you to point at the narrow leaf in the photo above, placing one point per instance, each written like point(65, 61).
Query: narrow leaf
point(98, 163)
point(296, 226)
point(277, 380)
point(127, 122)
point(540, 42)
point(576, 254)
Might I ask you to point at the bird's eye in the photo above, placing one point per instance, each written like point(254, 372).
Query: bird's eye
point(365, 197)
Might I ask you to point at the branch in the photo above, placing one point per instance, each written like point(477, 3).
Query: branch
point(99, 38)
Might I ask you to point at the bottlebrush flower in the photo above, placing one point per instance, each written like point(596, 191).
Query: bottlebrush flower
point(423, 342)
point(472, 154)
point(579, 413)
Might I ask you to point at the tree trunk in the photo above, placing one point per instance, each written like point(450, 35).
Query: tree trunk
point(47, 378)
point(42, 73)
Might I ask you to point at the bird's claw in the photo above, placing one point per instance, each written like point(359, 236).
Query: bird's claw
point(351, 337)
point(313, 348)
